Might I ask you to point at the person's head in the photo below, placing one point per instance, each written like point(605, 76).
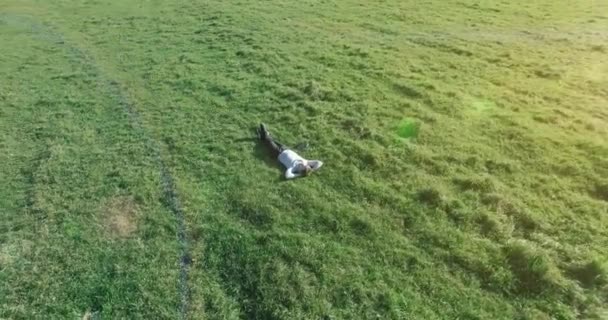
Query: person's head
point(303, 169)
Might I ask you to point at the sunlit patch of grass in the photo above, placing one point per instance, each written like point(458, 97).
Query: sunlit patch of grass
point(483, 105)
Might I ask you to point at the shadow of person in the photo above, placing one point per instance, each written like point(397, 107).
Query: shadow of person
point(263, 152)
point(251, 139)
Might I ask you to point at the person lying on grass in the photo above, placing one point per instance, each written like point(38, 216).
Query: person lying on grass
point(296, 165)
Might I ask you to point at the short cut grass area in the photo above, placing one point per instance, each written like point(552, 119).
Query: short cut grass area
point(465, 146)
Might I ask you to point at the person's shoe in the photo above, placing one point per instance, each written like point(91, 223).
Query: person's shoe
point(262, 132)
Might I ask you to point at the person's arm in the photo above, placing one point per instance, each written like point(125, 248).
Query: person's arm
point(289, 174)
point(315, 164)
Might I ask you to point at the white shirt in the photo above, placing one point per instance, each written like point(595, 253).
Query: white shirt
point(291, 160)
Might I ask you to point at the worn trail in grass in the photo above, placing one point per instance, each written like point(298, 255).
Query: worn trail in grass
point(58, 133)
point(465, 147)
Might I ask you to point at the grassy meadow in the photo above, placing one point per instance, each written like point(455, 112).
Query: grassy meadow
point(465, 146)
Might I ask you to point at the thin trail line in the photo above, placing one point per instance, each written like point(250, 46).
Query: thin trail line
point(170, 197)
point(30, 177)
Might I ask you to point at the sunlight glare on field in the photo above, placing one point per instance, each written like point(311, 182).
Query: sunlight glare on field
point(408, 128)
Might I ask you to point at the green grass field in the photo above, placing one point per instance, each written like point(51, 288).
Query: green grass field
point(465, 146)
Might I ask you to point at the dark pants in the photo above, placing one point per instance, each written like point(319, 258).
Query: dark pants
point(275, 147)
